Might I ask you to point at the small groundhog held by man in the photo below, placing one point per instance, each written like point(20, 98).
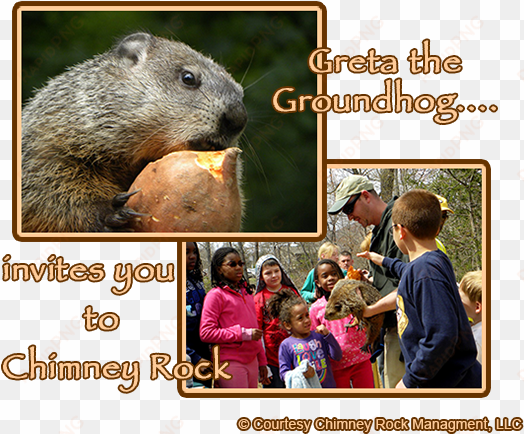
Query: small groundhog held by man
point(350, 297)
point(89, 132)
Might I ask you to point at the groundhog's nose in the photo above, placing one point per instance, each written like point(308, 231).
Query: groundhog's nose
point(234, 119)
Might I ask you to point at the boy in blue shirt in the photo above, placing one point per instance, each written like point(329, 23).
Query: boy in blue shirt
point(435, 336)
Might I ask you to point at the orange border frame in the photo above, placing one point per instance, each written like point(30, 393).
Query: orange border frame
point(368, 393)
point(171, 6)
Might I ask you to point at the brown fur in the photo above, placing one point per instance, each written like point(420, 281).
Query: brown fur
point(345, 300)
point(89, 132)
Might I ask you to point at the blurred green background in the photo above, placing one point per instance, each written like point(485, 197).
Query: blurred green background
point(263, 50)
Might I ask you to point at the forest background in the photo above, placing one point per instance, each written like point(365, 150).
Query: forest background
point(461, 235)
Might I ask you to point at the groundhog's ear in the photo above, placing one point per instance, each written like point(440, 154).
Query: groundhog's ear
point(134, 47)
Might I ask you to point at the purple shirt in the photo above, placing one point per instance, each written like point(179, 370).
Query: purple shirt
point(315, 348)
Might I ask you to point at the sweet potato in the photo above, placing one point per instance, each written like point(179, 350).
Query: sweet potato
point(189, 191)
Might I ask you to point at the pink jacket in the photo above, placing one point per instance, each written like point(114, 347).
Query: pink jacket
point(350, 340)
point(225, 313)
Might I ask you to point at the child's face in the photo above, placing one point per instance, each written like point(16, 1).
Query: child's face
point(232, 268)
point(327, 277)
point(473, 309)
point(191, 256)
point(271, 275)
point(334, 256)
point(300, 325)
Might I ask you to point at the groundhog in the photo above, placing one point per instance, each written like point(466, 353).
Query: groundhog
point(345, 300)
point(89, 132)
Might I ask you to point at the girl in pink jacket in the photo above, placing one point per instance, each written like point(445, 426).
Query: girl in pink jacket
point(229, 320)
point(354, 369)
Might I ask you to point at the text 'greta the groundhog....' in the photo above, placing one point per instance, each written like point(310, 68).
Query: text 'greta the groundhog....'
point(393, 99)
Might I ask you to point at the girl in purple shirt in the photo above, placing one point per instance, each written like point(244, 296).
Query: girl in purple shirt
point(303, 344)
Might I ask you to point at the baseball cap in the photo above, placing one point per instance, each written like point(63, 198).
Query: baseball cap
point(349, 186)
point(444, 204)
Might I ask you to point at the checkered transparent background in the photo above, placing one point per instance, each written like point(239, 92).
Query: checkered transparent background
point(487, 35)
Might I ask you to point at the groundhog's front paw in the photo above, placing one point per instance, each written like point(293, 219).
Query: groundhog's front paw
point(353, 323)
point(365, 349)
point(120, 217)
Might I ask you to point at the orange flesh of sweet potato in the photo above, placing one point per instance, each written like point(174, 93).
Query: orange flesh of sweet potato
point(189, 191)
point(212, 161)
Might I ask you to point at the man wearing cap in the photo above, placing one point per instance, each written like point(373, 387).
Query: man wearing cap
point(356, 197)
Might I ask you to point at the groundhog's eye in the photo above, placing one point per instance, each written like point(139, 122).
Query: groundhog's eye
point(189, 79)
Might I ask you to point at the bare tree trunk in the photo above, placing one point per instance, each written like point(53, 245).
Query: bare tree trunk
point(475, 263)
point(240, 247)
point(477, 242)
point(334, 232)
point(206, 256)
point(207, 249)
point(387, 184)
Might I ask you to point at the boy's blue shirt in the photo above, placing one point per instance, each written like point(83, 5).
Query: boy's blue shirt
point(435, 335)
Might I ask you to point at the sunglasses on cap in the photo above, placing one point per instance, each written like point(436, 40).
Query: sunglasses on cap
point(350, 206)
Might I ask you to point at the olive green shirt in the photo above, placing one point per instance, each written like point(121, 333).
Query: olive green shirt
point(382, 242)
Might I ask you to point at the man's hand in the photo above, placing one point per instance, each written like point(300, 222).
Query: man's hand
point(367, 311)
point(366, 276)
point(385, 304)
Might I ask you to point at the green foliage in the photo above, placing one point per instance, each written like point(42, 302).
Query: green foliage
point(462, 232)
point(263, 50)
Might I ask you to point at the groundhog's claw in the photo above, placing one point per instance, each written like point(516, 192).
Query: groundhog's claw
point(354, 323)
point(121, 216)
point(351, 325)
point(120, 199)
point(365, 349)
